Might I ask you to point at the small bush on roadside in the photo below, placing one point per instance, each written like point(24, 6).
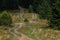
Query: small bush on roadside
point(5, 18)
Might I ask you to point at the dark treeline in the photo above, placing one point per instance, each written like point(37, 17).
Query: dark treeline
point(13, 4)
point(8, 4)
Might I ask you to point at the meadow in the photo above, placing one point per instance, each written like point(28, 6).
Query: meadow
point(36, 29)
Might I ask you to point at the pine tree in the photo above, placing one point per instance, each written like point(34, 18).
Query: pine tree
point(44, 9)
point(55, 20)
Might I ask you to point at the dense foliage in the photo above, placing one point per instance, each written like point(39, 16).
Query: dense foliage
point(47, 9)
point(5, 19)
point(55, 20)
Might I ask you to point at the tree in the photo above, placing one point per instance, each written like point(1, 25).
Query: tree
point(55, 20)
point(30, 8)
point(43, 9)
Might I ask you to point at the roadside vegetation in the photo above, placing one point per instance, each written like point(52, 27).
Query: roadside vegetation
point(33, 19)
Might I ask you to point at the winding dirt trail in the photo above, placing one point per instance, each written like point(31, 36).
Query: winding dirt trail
point(15, 33)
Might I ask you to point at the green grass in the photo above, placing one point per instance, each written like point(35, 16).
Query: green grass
point(37, 31)
point(40, 33)
point(17, 20)
point(31, 30)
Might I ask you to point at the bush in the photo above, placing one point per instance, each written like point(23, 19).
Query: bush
point(5, 19)
point(26, 20)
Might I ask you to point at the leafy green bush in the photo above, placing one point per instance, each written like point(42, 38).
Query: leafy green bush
point(5, 18)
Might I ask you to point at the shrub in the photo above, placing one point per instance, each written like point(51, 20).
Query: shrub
point(26, 20)
point(5, 18)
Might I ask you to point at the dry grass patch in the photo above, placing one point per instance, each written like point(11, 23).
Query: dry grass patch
point(4, 35)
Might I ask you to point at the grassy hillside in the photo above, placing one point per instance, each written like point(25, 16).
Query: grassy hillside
point(39, 32)
point(35, 28)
